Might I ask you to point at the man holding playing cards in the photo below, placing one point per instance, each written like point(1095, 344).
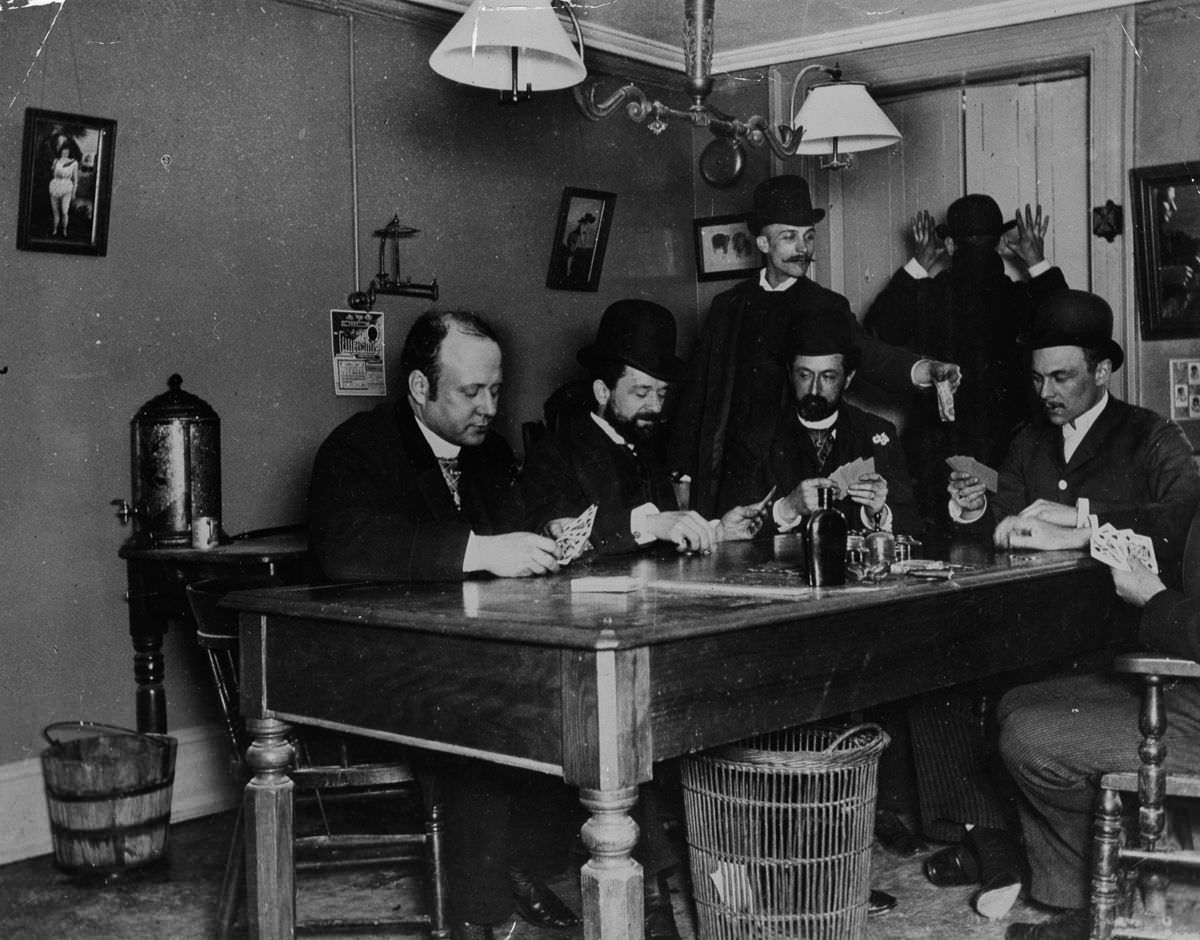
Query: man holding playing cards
point(609, 456)
point(820, 440)
point(1088, 461)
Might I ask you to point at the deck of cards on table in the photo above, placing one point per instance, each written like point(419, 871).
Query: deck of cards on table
point(1115, 546)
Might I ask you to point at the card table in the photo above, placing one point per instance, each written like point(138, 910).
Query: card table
point(596, 687)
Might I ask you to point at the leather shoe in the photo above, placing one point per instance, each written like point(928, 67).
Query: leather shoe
point(466, 930)
point(879, 902)
point(952, 866)
point(659, 914)
point(538, 904)
point(895, 836)
point(1065, 925)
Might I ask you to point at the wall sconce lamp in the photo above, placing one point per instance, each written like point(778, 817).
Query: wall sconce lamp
point(516, 46)
point(838, 118)
point(391, 283)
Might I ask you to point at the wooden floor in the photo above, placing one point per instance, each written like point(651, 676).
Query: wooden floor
point(176, 900)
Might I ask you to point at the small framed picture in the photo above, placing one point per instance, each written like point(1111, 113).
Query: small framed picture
point(577, 255)
point(66, 182)
point(1166, 217)
point(725, 248)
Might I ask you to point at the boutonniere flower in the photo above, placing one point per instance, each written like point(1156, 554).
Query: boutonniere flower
point(881, 439)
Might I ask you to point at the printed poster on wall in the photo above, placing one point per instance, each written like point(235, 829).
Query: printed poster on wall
point(358, 347)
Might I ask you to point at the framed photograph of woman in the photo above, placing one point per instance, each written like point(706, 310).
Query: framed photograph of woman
point(1166, 221)
point(66, 182)
point(584, 220)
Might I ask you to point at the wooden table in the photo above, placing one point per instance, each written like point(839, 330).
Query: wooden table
point(157, 578)
point(597, 687)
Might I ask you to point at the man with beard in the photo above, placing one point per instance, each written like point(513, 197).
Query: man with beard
point(610, 456)
point(737, 383)
point(973, 314)
point(819, 432)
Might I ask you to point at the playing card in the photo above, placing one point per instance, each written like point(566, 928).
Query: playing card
point(1107, 551)
point(960, 463)
point(986, 475)
point(573, 541)
point(1142, 548)
point(760, 507)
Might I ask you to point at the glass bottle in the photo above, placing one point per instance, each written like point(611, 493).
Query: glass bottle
point(825, 542)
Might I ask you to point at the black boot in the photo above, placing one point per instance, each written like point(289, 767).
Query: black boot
point(659, 913)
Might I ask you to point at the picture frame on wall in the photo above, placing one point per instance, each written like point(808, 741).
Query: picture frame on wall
point(66, 182)
point(1166, 219)
point(580, 237)
point(725, 247)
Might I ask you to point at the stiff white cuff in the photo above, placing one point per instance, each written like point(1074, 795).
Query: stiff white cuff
point(915, 269)
point(1040, 267)
point(638, 516)
point(471, 555)
point(777, 515)
point(912, 373)
point(1083, 509)
point(960, 515)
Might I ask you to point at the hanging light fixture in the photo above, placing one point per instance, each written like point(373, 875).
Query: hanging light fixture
point(516, 46)
point(836, 118)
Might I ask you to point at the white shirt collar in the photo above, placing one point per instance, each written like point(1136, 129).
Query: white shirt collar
point(823, 425)
point(609, 430)
point(783, 285)
point(1073, 435)
point(442, 448)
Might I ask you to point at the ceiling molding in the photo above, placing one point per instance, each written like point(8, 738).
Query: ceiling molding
point(968, 20)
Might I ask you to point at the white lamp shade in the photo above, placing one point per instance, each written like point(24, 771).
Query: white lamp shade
point(843, 112)
point(478, 50)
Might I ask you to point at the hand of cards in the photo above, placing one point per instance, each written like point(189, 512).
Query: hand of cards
point(847, 474)
point(981, 471)
point(573, 540)
point(1115, 546)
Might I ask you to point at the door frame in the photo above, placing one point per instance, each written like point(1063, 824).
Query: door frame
point(1100, 40)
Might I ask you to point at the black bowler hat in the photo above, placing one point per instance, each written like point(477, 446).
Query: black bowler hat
point(1076, 318)
point(820, 333)
point(784, 200)
point(639, 333)
point(974, 214)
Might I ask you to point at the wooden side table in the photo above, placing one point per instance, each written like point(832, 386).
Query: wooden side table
point(157, 579)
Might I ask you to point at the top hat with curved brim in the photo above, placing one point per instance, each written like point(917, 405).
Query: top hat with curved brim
point(1076, 318)
point(639, 333)
point(974, 214)
point(783, 200)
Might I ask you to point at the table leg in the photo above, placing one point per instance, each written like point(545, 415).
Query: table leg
point(267, 807)
point(147, 627)
point(611, 880)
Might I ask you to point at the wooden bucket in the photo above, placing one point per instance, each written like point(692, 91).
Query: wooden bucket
point(109, 796)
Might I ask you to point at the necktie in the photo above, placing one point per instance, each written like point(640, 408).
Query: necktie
point(451, 474)
point(822, 440)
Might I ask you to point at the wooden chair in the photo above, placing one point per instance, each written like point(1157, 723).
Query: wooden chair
point(324, 785)
point(1153, 783)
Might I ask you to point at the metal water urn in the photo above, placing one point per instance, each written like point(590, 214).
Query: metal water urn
point(176, 466)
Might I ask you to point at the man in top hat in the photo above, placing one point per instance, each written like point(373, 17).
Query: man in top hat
point(970, 312)
point(819, 431)
point(610, 456)
point(1086, 459)
point(737, 383)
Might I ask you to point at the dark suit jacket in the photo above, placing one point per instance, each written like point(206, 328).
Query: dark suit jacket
point(1134, 467)
point(379, 508)
point(700, 424)
point(793, 458)
point(1171, 620)
point(976, 318)
point(578, 465)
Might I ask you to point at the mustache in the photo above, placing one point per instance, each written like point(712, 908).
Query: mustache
point(814, 408)
point(799, 258)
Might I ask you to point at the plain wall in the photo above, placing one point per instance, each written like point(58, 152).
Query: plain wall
point(231, 237)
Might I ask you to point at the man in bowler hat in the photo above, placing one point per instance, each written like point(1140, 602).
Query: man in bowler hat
point(970, 312)
point(1086, 459)
point(610, 455)
point(737, 383)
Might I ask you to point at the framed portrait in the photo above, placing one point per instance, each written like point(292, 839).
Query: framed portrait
point(1166, 222)
point(725, 248)
point(66, 183)
point(577, 255)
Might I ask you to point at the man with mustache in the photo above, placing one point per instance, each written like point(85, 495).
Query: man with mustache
point(424, 490)
point(737, 384)
point(971, 313)
point(610, 456)
point(819, 432)
point(1087, 459)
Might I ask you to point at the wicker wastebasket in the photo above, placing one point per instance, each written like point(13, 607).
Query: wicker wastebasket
point(779, 831)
